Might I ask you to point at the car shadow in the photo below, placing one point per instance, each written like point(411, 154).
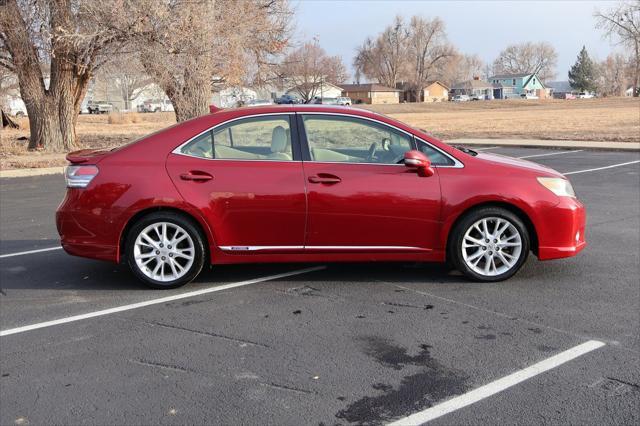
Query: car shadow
point(59, 270)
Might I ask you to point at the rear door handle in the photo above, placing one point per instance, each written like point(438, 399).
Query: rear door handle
point(196, 175)
point(325, 178)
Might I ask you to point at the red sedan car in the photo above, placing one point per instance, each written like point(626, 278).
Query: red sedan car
point(311, 184)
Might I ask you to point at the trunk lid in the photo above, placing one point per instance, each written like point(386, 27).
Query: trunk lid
point(90, 156)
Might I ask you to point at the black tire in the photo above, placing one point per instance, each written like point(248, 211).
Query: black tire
point(189, 226)
point(455, 254)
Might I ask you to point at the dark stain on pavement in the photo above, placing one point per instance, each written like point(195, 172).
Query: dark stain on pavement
point(434, 382)
point(485, 336)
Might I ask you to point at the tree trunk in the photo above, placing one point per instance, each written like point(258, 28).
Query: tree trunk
point(52, 112)
point(44, 126)
point(192, 102)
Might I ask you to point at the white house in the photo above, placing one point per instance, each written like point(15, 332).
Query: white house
point(324, 90)
point(232, 97)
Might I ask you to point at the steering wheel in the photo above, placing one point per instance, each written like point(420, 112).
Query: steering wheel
point(372, 152)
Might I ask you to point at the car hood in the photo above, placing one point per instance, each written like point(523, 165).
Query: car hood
point(518, 164)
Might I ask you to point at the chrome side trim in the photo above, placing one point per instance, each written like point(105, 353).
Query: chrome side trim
point(363, 248)
point(457, 163)
point(259, 248)
point(333, 248)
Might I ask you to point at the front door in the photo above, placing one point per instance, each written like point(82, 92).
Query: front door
point(361, 197)
point(247, 181)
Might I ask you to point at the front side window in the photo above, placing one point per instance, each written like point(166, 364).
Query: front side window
point(351, 140)
point(436, 157)
point(254, 138)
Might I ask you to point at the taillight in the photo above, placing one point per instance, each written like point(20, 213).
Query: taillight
point(79, 176)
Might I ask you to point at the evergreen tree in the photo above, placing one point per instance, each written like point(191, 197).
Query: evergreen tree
point(582, 75)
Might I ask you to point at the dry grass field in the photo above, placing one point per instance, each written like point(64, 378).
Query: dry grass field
point(610, 119)
point(607, 119)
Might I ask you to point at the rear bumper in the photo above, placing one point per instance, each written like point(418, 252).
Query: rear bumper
point(561, 231)
point(85, 233)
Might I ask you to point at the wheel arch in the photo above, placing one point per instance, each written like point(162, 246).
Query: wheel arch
point(202, 227)
point(522, 215)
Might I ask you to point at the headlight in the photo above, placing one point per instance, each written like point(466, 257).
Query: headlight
point(560, 187)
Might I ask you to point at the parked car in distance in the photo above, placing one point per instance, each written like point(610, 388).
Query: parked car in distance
point(99, 107)
point(310, 183)
point(478, 97)
point(324, 101)
point(287, 99)
point(585, 95)
point(528, 96)
point(156, 105)
point(343, 100)
point(460, 98)
point(256, 102)
point(17, 108)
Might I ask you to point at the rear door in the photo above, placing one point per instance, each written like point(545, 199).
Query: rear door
point(246, 178)
point(361, 197)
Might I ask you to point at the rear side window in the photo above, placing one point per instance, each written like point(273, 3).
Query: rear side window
point(255, 138)
point(201, 146)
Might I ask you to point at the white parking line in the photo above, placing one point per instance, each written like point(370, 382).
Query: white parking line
point(602, 168)
point(29, 252)
point(550, 154)
point(498, 385)
point(154, 302)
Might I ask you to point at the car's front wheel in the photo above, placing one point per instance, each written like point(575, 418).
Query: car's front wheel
point(489, 244)
point(165, 250)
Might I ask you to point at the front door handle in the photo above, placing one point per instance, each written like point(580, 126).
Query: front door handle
point(325, 178)
point(196, 175)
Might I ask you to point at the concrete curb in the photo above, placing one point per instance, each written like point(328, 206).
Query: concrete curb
point(31, 172)
point(557, 144)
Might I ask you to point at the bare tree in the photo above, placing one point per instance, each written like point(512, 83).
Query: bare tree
point(127, 75)
point(622, 22)
point(529, 57)
point(384, 59)
point(428, 49)
point(615, 73)
point(308, 67)
point(185, 45)
point(461, 67)
point(54, 52)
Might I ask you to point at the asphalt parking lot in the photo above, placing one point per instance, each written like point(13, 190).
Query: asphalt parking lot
point(325, 344)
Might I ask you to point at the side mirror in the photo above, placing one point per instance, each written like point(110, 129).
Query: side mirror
point(416, 160)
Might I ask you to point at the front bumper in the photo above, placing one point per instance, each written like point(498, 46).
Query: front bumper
point(561, 230)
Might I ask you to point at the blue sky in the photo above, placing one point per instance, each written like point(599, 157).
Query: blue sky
point(482, 27)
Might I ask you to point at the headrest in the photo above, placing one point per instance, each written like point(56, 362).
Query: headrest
point(278, 139)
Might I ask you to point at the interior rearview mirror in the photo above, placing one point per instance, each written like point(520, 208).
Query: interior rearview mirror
point(416, 160)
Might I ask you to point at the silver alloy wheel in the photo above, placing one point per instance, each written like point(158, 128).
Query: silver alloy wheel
point(164, 251)
point(491, 246)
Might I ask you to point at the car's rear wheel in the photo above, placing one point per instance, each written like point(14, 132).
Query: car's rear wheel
point(489, 244)
point(165, 250)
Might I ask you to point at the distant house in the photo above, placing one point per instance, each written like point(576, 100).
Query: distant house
point(475, 88)
point(434, 91)
point(231, 97)
point(371, 93)
point(507, 86)
point(324, 90)
point(561, 90)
